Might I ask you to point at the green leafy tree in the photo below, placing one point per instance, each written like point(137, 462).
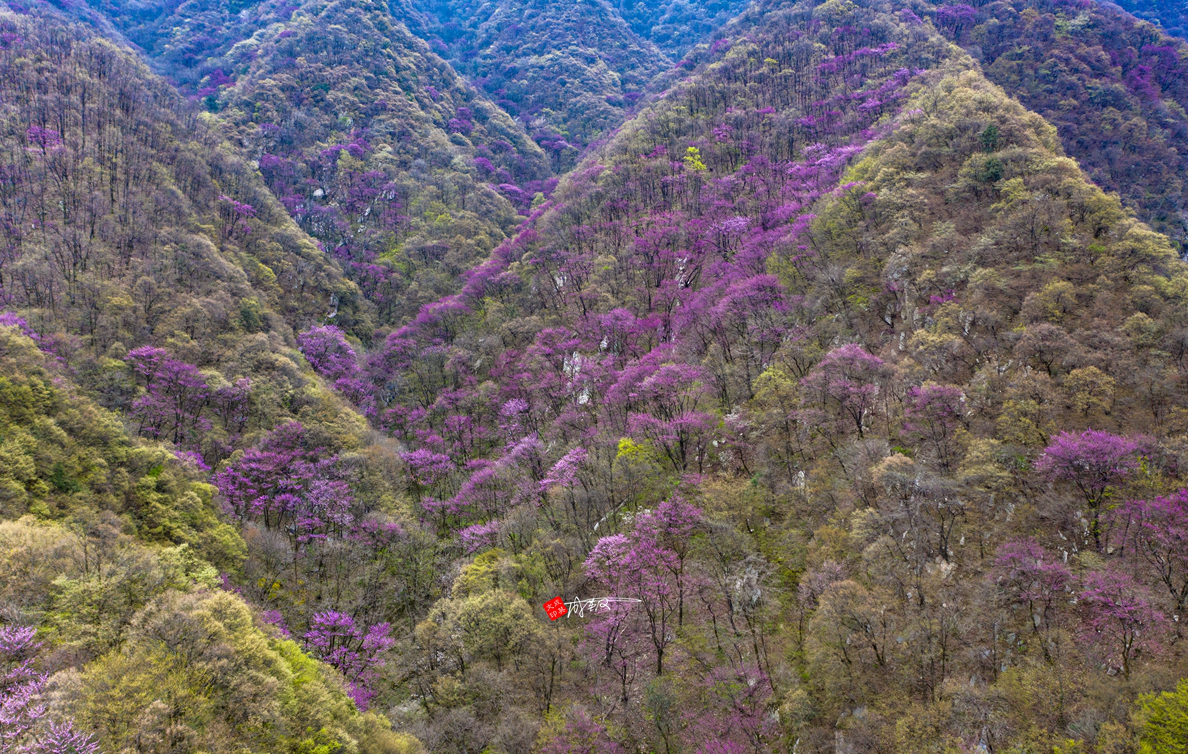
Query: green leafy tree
point(1162, 721)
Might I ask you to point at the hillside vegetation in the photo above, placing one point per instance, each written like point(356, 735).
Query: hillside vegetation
point(569, 71)
point(1167, 15)
point(852, 354)
point(112, 548)
point(380, 151)
point(1115, 89)
point(906, 363)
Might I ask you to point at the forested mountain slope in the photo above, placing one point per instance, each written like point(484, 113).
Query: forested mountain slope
point(130, 226)
point(870, 397)
point(185, 40)
point(677, 25)
point(381, 152)
point(404, 173)
point(568, 70)
point(1172, 16)
point(832, 358)
point(112, 179)
point(901, 356)
point(156, 273)
point(1110, 84)
point(1116, 89)
point(116, 634)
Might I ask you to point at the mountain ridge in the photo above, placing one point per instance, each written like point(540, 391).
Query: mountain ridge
point(827, 352)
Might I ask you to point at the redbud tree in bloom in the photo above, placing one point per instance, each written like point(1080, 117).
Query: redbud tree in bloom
point(178, 403)
point(1032, 580)
point(1158, 532)
point(648, 565)
point(20, 684)
point(23, 724)
point(328, 352)
point(1119, 618)
point(934, 414)
point(356, 652)
point(1093, 462)
point(286, 483)
point(62, 738)
point(841, 391)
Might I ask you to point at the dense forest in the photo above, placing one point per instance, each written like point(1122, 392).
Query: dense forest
point(569, 71)
point(844, 344)
point(1116, 90)
point(1170, 16)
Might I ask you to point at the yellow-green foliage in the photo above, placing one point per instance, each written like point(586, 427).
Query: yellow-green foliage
point(84, 584)
point(1163, 721)
point(201, 675)
point(693, 160)
point(165, 659)
point(62, 457)
point(1032, 249)
point(491, 621)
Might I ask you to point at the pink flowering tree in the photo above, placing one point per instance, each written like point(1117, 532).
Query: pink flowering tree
point(670, 527)
point(356, 651)
point(1158, 532)
point(562, 486)
point(427, 469)
point(20, 684)
point(1119, 618)
point(493, 488)
point(665, 403)
point(23, 724)
point(480, 536)
point(1031, 580)
point(841, 392)
point(582, 734)
point(237, 215)
point(617, 639)
point(288, 484)
point(178, 404)
point(649, 565)
point(328, 352)
point(564, 472)
point(62, 738)
point(733, 716)
point(175, 397)
point(1094, 463)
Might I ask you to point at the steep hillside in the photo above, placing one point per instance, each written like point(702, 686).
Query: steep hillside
point(115, 632)
point(436, 173)
point(1116, 89)
point(677, 25)
point(130, 226)
point(155, 273)
point(65, 458)
point(380, 151)
point(832, 366)
point(1173, 17)
point(819, 419)
point(569, 71)
point(186, 40)
point(111, 179)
